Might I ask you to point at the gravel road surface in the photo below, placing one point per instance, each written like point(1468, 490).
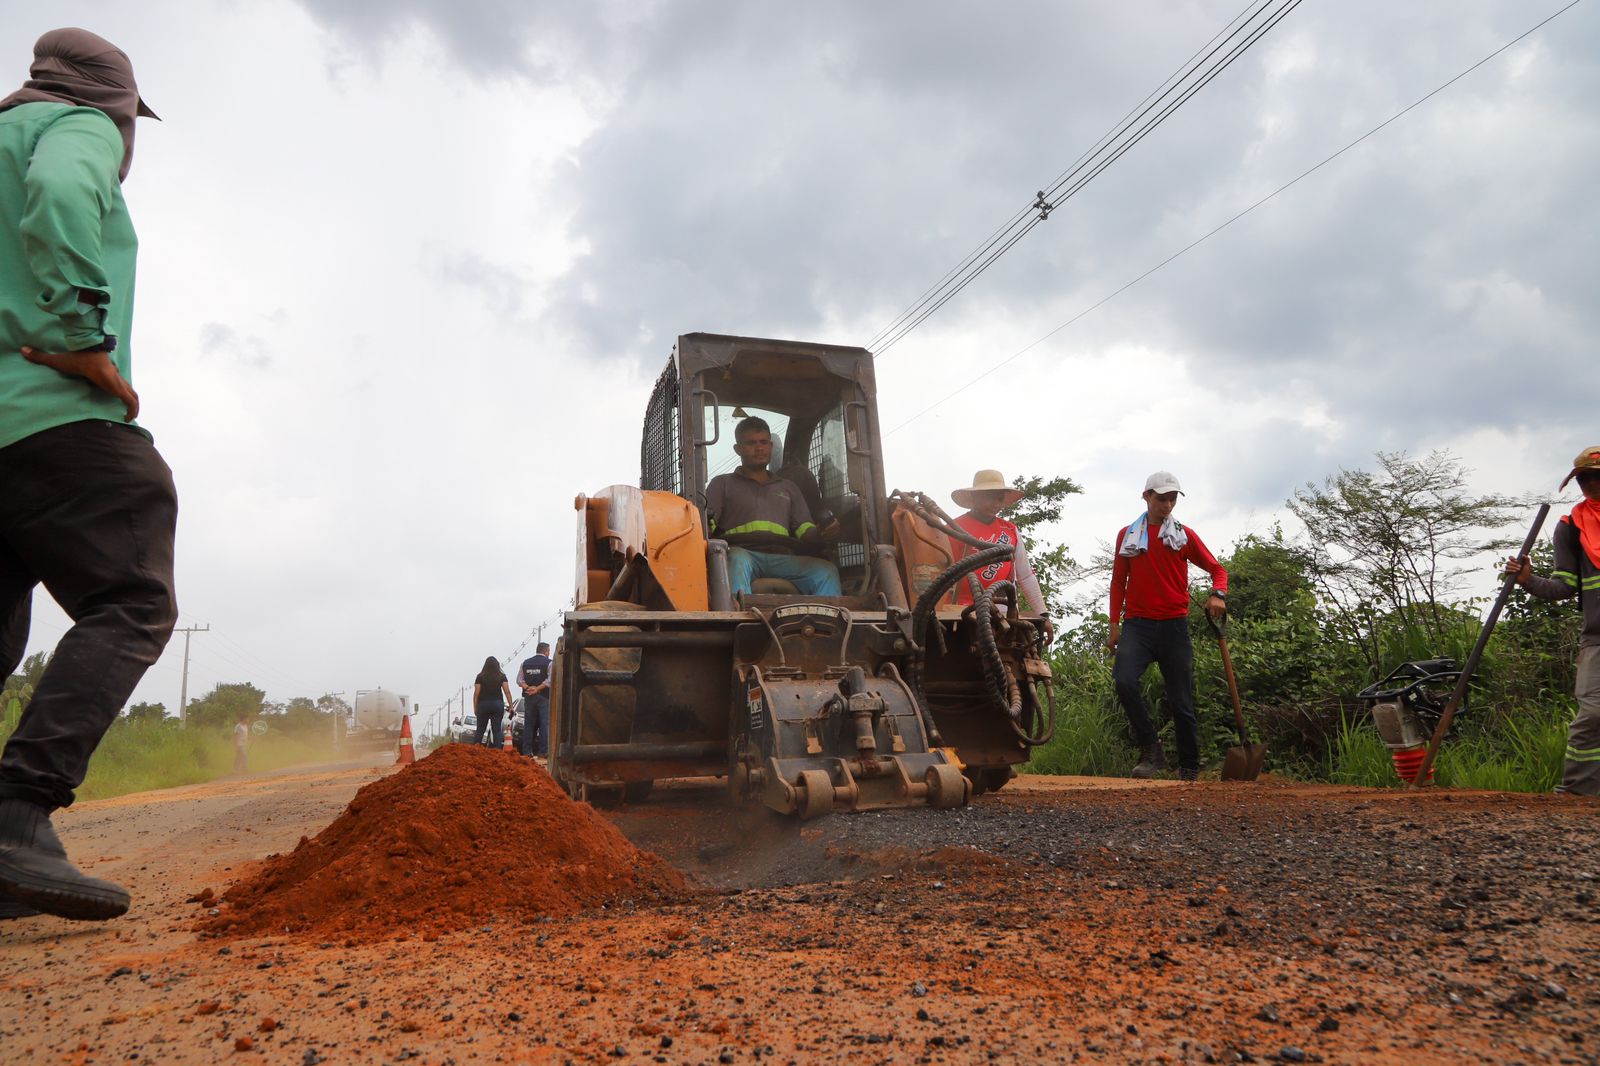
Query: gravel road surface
point(1056, 921)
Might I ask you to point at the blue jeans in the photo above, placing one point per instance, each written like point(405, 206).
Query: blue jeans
point(535, 723)
point(1165, 643)
point(492, 715)
point(812, 576)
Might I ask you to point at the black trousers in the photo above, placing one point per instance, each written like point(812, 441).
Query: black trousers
point(1165, 643)
point(87, 509)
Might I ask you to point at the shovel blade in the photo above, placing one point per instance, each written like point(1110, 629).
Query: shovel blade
point(1242, 762)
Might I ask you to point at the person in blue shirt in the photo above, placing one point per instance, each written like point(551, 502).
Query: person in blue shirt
point(534, 680)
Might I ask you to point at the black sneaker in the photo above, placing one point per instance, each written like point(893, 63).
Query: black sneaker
point(1152, 763)
point(34, 871)
point(1186, 774)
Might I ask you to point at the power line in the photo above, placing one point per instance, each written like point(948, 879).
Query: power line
point(1219, 228)
point(999, 234)
point(1244, 30)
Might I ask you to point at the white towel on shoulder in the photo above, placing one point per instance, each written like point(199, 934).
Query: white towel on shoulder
point(1137, 540)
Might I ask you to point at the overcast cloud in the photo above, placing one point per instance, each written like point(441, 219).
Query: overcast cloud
point(408, 270)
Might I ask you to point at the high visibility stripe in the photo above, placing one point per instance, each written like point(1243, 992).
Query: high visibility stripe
point(1583, 751)
point(803, 527)
point(1573, 756)
point(758, 526)
point(1563, 575)
point(1591, 582)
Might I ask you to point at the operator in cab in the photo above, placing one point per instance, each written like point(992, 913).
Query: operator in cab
point(765, 520)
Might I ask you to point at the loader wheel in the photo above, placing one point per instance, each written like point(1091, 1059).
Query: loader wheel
point(946, 787)
point(816, 794)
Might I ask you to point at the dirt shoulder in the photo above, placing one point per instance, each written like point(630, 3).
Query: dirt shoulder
point(1189, 924)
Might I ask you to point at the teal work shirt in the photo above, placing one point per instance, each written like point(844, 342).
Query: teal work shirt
point(67, 251)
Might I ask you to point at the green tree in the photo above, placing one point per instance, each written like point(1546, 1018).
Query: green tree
point(1041, 503)
point(333, 705)
point(147, 713)
point(222, 706)
point(1387, 548)
point(20, 685)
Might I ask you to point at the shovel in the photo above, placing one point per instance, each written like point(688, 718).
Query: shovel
point(1243, 760)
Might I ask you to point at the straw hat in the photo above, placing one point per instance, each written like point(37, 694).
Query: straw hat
point(987, 481)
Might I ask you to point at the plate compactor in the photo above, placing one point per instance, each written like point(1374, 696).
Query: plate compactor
point(891, 694)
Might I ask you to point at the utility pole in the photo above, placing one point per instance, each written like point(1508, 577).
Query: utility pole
point(335, 716)
point(183, 693)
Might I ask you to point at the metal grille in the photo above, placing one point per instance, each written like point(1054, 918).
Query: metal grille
point(658, 451)
point(831, 484)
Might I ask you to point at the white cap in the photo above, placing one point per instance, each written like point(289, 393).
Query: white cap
point(1163, 481)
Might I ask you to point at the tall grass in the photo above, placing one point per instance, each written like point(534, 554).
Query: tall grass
point(139, 756)
point(1525, 755)
point(1359, 756)
point(1519, 753)
point(1091, 737)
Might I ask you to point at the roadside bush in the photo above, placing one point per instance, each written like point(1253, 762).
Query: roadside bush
point(1091, 735)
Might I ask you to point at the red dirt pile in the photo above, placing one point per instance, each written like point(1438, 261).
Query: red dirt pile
point(463, 835)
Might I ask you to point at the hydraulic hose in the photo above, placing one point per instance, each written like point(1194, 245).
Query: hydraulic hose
point(920, 614)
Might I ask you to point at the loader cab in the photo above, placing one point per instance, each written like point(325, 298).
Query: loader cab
point(821, 404)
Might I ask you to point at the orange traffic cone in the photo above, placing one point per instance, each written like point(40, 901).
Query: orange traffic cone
point(408, 754)
point(507, 745)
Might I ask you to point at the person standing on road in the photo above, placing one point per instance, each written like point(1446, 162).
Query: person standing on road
point(1577, 573)
point(984, 499)
point(1150, 621)
point(89, 508)
point(491, 693)
point(534, 680)
point(241, 745)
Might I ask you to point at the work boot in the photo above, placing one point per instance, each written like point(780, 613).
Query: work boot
point(1187, 774)
point(14, 908)
point(1152, 763)
point(34, 871)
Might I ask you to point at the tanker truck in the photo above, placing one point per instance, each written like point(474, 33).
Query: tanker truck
point(375, 719)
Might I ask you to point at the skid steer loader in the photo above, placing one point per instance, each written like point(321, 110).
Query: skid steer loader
point(888, 695)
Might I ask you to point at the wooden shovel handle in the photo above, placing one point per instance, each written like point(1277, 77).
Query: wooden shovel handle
point(1233, 689)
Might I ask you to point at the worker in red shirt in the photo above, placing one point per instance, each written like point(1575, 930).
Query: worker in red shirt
point(1150, 621)
point(984, 499)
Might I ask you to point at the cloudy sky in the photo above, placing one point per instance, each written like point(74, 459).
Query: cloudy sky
point(408, 270)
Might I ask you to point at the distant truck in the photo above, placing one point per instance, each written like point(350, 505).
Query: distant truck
point(375, 717)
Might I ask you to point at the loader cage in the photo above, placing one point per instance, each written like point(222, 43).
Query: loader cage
point(820, 401)
point(658, 451)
